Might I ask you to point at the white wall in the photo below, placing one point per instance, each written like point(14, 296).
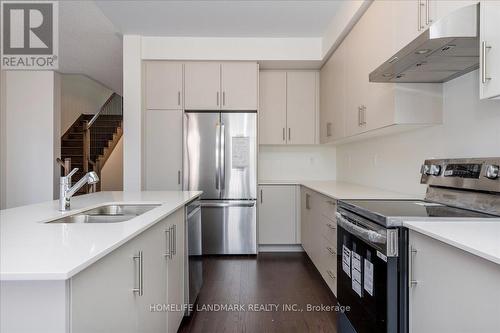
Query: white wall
point(32, 142)
point(80, 94)
point(297, 163)
point(471, 129)
point(3, 141)
point(112, 172)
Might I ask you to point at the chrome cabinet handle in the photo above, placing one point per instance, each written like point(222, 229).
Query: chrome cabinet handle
point(174, 239)
point(168, 246)
point(411, 259)
point(484, 74)
point(359, 115)
point(332, 252)
point(171, 241)
point(140, 289)
point(261, 196)
point(307, 201)
point(427, 12)
point(217, 98)
point(328, 129)
point(179, 177)
point(420, 23)
point(178, 98)
point(223, 98)
point(284, 135)
point(289, 134)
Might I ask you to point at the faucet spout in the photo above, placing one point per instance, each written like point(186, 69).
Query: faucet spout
point(66, 192)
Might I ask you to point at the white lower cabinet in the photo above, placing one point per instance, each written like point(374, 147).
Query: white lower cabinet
point(319, 234)
point(115, 294)
point(277, 215)
point(451, 290)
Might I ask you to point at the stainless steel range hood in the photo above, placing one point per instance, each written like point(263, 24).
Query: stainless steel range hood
point(447, 49)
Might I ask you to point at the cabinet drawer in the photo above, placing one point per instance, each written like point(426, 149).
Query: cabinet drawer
point(329, 230)
point(327, 206)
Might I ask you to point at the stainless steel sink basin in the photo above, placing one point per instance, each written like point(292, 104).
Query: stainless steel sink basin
point(106, 214)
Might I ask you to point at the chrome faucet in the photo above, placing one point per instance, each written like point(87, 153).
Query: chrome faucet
point(66, 192)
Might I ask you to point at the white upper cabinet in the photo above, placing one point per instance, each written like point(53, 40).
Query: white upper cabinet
point(272, 110)
point(239, 85)
point(333, 96)
point(163, 85)
point(202, 85)
point(301, 101)
point(216, 86)
point(288, 107)
point(489, 71)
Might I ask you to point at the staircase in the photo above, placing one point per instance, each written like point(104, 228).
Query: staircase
point(91, 139)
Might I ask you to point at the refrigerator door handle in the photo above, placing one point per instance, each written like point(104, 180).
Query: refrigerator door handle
point(217, 156)
point(222, 157)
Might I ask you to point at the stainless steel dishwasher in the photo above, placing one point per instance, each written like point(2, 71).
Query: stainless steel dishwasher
point(194, 268)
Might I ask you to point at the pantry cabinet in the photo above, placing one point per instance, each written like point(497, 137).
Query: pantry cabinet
point(288, 112)
point(277, 215)
point(164, 85)
point(489, 64)
point(163, 150)
point(441, 274)
point(221, 86)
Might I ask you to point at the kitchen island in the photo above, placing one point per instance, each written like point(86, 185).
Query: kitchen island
point(61, 277)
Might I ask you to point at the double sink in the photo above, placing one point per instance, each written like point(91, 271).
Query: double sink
point(107, 214)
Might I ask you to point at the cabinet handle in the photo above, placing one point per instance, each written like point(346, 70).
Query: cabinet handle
point(174, 239)
point(413, 253)
point(359, 115)
point(223, 98)
point(363, 108)
point(328, 129)
point(179, 177)
point(307, 201)
point(168, 246)
point(332, 252)
point(140, 289)
point(284, 135)
point(178, 98)
point(217, 98)
point(428, 12)
point(289, 134)
point(420, 23)
point(261, 196)
point(484, 48)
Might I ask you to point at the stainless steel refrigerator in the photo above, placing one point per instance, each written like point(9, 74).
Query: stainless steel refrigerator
point(220, 159)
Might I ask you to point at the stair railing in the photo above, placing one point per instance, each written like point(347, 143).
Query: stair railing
point(66, 164)
point(92, 135)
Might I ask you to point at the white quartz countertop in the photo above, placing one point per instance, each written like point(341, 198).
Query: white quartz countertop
point(33, 250)
point(342, 190)
point(481, 238)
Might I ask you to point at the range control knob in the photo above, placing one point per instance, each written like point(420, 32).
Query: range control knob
point(434, 170)
point(492, 171)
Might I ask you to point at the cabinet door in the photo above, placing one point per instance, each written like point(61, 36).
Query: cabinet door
point(408, 17)
point(163, 149)
point(102, 300)
point(202, 85)
point(277, 220)
point(239, 85)
point(445, 276)
point(333, 96)
point(489, 71)
point(175, 285)
point(152, 243)
point(301, 107)
point(163, 85)
point(272, 111)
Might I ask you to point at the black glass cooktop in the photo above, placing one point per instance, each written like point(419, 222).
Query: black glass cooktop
point(383, 209)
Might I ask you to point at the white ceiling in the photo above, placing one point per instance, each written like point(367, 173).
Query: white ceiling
point(89, 44)
point(215, 18)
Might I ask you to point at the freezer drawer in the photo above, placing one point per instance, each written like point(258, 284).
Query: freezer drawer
point(229, 227)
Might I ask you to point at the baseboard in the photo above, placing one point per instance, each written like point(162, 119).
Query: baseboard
point(281, 248)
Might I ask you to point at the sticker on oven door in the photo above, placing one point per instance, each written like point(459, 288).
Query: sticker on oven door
point(346, 260)
point(356, 273)
point(368, 277)
point(381, 256)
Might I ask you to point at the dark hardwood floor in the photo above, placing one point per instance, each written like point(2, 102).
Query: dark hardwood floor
point(254, 281)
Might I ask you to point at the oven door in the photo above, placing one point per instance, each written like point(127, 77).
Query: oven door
point(368, 284)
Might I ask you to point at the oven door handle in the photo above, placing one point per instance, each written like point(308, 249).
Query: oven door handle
point(364, 233)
